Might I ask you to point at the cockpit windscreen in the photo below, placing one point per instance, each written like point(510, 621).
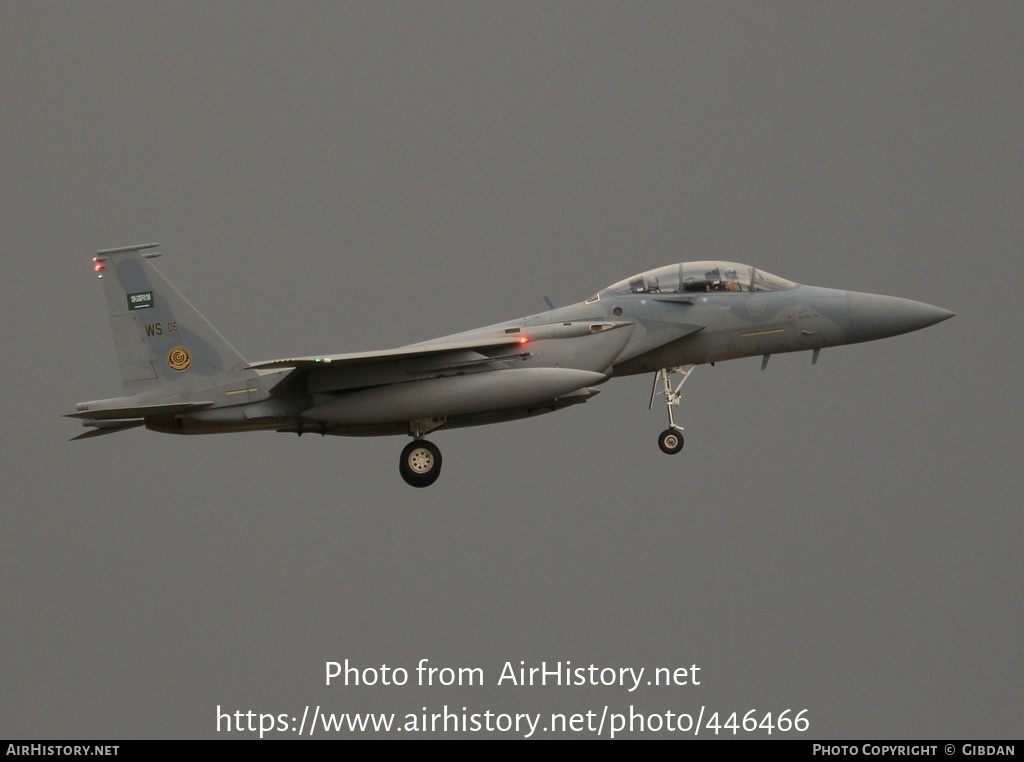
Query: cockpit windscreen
point(696, 277)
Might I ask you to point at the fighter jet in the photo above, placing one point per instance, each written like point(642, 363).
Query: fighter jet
point(180, 376)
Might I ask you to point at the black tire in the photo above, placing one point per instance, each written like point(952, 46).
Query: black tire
point(670, 441)
point(420, 464)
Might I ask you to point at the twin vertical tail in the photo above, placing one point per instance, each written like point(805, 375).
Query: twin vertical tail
point(165, 347)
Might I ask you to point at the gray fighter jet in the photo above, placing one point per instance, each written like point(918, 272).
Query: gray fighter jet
point(180, 376)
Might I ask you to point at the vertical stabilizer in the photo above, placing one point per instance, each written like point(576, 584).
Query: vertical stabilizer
point(162, 342)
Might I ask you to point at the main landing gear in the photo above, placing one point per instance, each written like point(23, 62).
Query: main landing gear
point(420, 464)
point(671, 439)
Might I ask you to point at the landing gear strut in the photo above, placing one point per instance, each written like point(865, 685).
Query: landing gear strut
point(671, 439)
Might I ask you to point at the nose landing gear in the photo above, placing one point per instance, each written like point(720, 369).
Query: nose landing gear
point(671, 439)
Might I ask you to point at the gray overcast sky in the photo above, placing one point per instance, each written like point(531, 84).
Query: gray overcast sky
point(330, 177)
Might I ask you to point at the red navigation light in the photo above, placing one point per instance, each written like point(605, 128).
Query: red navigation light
point(97, 266)
point(523, 339)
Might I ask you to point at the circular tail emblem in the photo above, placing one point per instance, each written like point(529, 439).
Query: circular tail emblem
point(179, 358)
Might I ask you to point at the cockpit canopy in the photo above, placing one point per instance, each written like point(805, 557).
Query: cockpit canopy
point(690, 277)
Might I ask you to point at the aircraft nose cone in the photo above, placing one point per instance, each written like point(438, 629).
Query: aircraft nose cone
point(873, 316)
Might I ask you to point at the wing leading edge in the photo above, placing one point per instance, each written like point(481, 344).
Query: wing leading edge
point(383, 355)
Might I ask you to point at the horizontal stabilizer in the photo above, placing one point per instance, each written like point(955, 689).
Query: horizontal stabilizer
point(144, 411)
point(121, 426)
point(401, 353)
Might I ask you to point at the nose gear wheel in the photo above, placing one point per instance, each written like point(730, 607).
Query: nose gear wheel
point(670, 441)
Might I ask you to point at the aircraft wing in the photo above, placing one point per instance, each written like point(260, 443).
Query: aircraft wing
point(401, 353)
point(335, 374)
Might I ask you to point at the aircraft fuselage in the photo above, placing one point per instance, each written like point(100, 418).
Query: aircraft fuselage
point(180, 376)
